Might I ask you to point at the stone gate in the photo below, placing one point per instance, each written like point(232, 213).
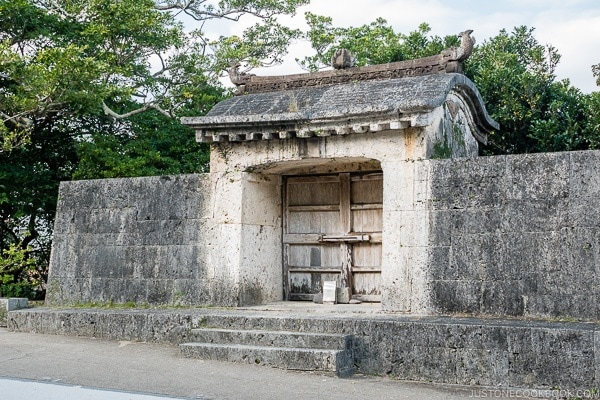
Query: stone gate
point(367, 177)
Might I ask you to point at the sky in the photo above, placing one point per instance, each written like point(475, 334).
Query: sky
point(572, 26)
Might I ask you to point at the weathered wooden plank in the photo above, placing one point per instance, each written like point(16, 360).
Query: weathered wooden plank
point(376, 206)
point(328, 207)
point(315, 222)
point(286, 282)
point(367, 191)
point(346, 238)
point(345, 212)
point(367, 255)
point(312, 179)
point(366, 269)
point(314, 256)
point(301, 297)
point(367, 220)
point(376, 237)
point(313, 270)
point(368, 176)
point(368, 284)
point(301, 238)
point(316, 193)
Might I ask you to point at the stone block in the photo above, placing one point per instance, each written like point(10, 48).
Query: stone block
point(584, 179)
point(468, 183)
point(539, 176)
point(456, 296)
point(537, 215)
point(404, 280)
point(261, 200)
point(405, 185)
point(10, 304)
point(583, 212)
point(441, 267)
point(503, 298)
point(408, 228)
point(440, 228)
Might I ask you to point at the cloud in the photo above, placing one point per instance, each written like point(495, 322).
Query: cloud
point(577, 40)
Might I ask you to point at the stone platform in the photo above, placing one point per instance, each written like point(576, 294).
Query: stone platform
point(9, 304)
point(467, 350)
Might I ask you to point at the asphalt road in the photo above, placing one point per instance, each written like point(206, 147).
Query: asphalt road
point(35, 366)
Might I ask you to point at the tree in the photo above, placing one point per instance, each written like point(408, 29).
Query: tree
point(513, 72)
point(78, 56)
point(146, 145)
point(515, 75)
point(374, 43)
point(29, 176)
point(93, 89)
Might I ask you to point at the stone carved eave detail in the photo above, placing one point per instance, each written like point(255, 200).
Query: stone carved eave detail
point(302, 128)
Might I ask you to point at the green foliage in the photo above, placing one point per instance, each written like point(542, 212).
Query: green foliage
point(92, 89)
point(201, 10)
point(144, 146)
point(18, 274)
point(563, 126)
point(80, 57)
point(374, 43)
point(596, 73)
point(29, 176)
point(513, 72)
point(261, 45)
point(515, 75)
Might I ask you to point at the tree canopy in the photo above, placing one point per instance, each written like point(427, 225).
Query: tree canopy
point(516, 76)
point(77, 57)
point(93, 89)
point(371, 44)
point(512, 70)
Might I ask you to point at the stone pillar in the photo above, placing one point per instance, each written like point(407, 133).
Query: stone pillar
point(247, 264)
point(404, 272)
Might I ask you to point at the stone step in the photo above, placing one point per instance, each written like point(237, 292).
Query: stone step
point(267, 323)
point(340, 362)
point(305, 340)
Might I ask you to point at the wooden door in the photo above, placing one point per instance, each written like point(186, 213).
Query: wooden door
point(332, 231)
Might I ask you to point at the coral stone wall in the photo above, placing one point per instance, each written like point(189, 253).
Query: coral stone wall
point(516, 235)
point(509, 235)
point(143, 240)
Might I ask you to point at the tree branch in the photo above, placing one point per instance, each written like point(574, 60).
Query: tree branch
point(108, 111)
point(19, 121)
point(192, 8)
point(33, 233)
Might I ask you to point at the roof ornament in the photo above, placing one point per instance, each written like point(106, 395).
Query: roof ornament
point(456, 55)
point(238, 78)
point(343, 59)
